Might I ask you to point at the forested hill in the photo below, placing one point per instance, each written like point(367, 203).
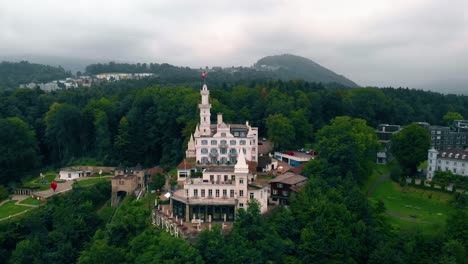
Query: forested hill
point(291, 67)
point(12, 74)
point(282, 67)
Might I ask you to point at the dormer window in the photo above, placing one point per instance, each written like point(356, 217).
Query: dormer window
point(450, 155)
point(443, 154)
point(456, 156)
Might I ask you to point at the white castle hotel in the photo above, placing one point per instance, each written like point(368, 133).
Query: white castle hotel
point(220, 143)
point(222, 153)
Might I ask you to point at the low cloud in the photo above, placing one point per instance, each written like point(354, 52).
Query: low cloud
point(382, 43)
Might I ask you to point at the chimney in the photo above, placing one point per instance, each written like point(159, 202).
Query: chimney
point(220, 118)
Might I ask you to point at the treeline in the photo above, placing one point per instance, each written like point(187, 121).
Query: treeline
point(127, 122)
point(12, 74)
point(57, 231)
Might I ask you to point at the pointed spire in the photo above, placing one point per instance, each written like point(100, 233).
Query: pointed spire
point(241, 165)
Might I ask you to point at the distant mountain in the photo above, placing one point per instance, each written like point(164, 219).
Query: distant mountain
point(291, 67)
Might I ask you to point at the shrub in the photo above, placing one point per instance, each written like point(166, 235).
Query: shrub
point(3, 192)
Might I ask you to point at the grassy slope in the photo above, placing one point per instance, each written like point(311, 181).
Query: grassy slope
point(429, 209)
point(10, 208)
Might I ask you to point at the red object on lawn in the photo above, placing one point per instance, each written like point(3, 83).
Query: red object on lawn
point(53, 185)
point(203, 75)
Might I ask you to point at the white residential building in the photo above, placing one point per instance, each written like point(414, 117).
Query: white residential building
point(454, 160)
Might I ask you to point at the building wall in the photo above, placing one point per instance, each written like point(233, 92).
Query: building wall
point(436, 162)
point(261, 196)
point(444, 138)
point(71, 175)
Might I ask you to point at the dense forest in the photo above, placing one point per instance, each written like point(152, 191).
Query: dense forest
point(12, 74)
point(137, 121)
point(148, 122)
point(281, 67)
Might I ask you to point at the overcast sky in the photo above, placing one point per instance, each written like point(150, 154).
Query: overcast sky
point(410, 43)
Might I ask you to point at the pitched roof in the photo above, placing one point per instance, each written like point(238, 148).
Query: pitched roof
point(187, 163)
point(289, 178)
point(455, 154)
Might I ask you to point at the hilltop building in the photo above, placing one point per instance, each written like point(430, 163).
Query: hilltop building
point(219, 170)
point(454, 160)
point(220, 143)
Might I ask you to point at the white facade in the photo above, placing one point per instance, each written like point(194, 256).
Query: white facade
point(225, 185)
point(220, 143)
point(453, 160)
point(69, 175)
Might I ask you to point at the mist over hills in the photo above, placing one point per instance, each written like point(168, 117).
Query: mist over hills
point(291, 67)
point(284, 67)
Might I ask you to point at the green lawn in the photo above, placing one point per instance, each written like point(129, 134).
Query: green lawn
point(10, 208)
point(92, 181)
point(428, 207)
point(37, 183)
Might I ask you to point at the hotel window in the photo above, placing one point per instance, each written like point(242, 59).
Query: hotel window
point(241, 181)
point(223, 142)
point(241, 193)
point(203, 193)
point(233, 178)
point(242, 142)
point(195, 192)
point(251, 195)
point(232, 142)
point(223, 134)
point(217, 192)
point(224, 193)
point(225, 178)
point(214, 150)
point(231, 193)
point(210, 193)
point(275, 192)
point(223, 151)
point(213, 142)
point(204, 142)
point(204, 150)
point(279, 185)
point(241, 205)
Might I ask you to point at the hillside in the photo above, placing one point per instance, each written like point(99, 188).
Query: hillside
point(12, 74)
point(290, 67)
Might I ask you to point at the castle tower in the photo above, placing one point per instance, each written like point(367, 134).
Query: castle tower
point(241, 165)
point(190, 152)
point(205, 106)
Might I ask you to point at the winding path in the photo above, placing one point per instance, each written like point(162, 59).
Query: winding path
point(61, 188)
point(381, 179)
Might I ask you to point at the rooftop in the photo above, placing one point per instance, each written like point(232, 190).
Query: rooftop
point(289, 178)
point(124, 177)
